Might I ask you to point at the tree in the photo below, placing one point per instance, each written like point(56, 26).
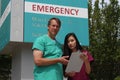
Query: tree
point(5, 67)
point(103, 20)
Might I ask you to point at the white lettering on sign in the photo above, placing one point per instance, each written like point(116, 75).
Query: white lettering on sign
point(49, 9)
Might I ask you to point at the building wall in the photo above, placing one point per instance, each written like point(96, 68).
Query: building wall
point(17, 14)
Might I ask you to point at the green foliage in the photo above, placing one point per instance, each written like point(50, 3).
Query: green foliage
point(5, 67)
point(104, 46)
point(117, 78)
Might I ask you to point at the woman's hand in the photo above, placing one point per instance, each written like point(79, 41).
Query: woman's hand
point(84, 57)
point(70, 74)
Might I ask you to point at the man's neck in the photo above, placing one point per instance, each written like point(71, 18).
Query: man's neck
point(52, 37)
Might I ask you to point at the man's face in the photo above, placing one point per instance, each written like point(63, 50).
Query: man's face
point(53, 28)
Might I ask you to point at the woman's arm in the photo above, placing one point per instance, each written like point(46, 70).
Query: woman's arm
point(84, 57)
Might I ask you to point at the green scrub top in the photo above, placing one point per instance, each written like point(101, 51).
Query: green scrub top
point(51, 49)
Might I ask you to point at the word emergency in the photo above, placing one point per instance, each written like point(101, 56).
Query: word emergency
point(55, 9)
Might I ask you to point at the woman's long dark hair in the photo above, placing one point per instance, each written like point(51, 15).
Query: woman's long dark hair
point(66, 49)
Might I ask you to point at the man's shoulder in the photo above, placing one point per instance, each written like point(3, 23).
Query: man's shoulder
point(42, 36)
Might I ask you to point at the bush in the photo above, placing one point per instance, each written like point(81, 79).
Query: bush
point(117, 78)
point(5, 67)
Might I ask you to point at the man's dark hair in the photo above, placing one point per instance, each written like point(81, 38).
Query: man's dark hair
point(56, 19)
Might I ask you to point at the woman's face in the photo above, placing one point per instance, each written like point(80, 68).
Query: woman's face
point(72, 43)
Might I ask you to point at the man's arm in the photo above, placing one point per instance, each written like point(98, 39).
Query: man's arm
point(40, 61)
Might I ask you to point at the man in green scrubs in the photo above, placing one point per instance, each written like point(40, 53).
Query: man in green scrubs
point(47, 53)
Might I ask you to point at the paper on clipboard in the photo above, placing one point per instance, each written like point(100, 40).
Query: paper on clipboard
point(75, 63)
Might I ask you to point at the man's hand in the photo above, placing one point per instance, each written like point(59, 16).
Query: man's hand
point(64, 60)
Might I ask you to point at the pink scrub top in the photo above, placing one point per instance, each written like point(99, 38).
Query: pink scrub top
point(82, 75)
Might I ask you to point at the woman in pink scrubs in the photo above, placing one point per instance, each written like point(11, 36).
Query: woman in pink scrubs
point(71, 45)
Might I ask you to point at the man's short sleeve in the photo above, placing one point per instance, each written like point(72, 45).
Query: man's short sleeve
point(38, 44)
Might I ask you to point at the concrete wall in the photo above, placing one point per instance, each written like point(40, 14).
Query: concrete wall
point(22, 62)
point(17, 14)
